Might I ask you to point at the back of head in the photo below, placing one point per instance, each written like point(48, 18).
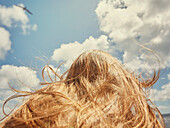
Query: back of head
point(114, 96)
point(92, 69)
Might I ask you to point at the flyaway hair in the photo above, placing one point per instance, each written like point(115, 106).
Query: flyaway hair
point(96, 91)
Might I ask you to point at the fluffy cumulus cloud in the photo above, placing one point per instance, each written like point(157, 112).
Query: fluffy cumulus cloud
point(5, 42)
point(130, 22)
point(21, 78)
point(161, 95)
point(68, 52)
point(15, 75)
point(15, 17)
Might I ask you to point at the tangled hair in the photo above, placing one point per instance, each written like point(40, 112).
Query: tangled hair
point(97, 91)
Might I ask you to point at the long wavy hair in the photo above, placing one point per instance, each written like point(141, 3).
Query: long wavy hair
point(96, 91)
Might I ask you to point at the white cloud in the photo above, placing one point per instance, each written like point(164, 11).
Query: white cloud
point(15, 17)
point(137, 64)
point(69, 52)
point(5, 42)
point(164, 109)
point(14, 74)
point(168, 76)
point(34, 27)
point(146, 21)
point(161, 95)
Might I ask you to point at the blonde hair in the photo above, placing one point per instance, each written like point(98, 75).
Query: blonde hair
point(96, 92)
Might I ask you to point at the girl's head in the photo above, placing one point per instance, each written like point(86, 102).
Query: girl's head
point(95, 69)
point(91, 70)
point(97, 92)
point(92, 65)
point(97, 77)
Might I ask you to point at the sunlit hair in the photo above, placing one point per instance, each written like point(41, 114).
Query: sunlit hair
point(97, 91)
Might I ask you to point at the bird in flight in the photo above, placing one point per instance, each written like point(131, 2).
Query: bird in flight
point(122, 5)
point(24, 8)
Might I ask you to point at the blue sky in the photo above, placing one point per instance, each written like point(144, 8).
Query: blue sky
point(61, 30)
point(58, 22)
